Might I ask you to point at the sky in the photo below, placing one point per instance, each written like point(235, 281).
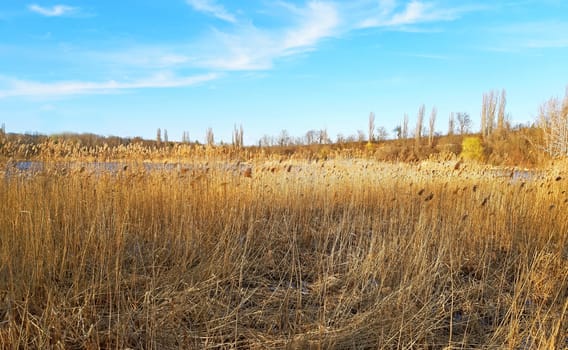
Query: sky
point(126, 68)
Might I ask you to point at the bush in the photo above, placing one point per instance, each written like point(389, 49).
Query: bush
point(472, 149)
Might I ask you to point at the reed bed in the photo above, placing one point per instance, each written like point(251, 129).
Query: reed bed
point(292, 255)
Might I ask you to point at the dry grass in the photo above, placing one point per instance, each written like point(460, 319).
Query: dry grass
point(330, 255)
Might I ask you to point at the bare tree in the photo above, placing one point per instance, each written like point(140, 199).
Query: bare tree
point(166, 135)
point(553, 119)
point(209, 137)
point(404, 131)
point(398, 131)
point(159, 136)
point(382, 133)
point(501, 117)
point(266, 141)
point(360, 136)
point(371, 126)
point(238, 136)
point(488, 110)
point(419, 123)
point(464, 123)
point(451, 124)
point(310, 137)
point(284, 138)
point(431, 126)
point(323, 137)
point(185, 137)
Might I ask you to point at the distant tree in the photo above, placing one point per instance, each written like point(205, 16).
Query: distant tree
point(419, 123)
point(166, 135)
point(266, 141)
point(404, 131)
point(553, 120)
point(451, 125)
point(382, 133)
point(209, 137)
point(284, 138)
point(340, 139)
point(501, 116)
point(371, 126)
point(472, 149)
point(398, 131)
point(431, 126)
point(464, 123)
point(323, 137)
point(488, 110)
point(310, 137)
point(159, 136)
point(185, 137)
point(238, 136)
point(360, 136)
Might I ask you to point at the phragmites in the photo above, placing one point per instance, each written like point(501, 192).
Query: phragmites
point(219, 253)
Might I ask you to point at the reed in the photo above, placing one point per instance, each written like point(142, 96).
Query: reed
point(343, 254)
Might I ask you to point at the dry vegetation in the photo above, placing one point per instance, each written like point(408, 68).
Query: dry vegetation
point(341, 254)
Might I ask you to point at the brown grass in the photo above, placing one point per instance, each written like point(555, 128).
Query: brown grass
point(331, 255)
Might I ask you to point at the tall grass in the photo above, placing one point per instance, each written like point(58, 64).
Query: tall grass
point(341, 255)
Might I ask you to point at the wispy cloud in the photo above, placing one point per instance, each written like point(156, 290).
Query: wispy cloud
point(10, 87)
point(253, 48)
point(53, 11)
point(536, 35)
point(527, 37)
point(211, 7)
point(390, 14)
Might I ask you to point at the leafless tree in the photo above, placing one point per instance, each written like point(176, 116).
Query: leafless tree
point(323, 137)
point(464, 123)
point(451, 124)
point(431, 126)
point(284, 138)
point(501, 117)
point(310, 137)
point(185, 137)
point(398, 131)
point(419, 123)
point(159, 136)
point(166, 135)
point(371, 126)
point(488, 110)
point(382, 133)
point(266, 141)
point(209, 137)
point(238, 136)
point(360, 136)
point(553, 119)
point(404, 131)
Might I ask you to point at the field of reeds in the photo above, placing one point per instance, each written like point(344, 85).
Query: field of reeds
point(292, 254)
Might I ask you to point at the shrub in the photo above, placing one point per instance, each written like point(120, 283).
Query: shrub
point(472, 149)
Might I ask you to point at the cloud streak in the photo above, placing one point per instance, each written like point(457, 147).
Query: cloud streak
point(414, 12)
point(211, 7)
point(54, 11)
point(26, 88)
point(253, 48)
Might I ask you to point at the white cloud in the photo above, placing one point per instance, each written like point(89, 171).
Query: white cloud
point(54, 11)
point(252, 48)
point(535, 35)
point(17, 87)
point(414, 12)
point(213, 8)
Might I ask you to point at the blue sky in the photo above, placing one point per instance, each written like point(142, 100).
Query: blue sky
point(129, 67)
